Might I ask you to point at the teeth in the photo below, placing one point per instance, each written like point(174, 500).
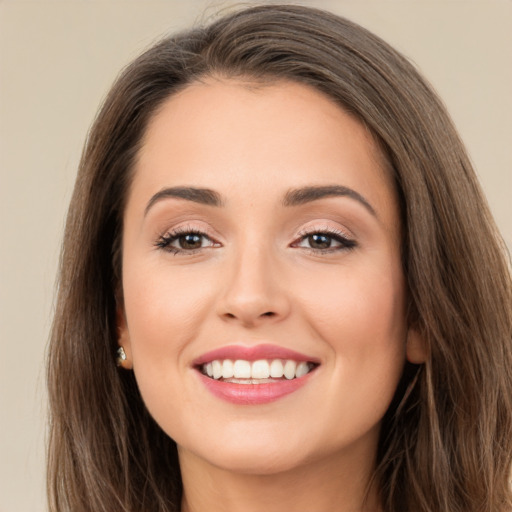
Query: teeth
point(276, 369)
point(261, 370)
point(242, 369)
point(227, 369)
point(289, 369)
point(302, 369)
point(217, 369)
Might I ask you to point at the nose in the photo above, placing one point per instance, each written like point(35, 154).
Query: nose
point(254, 292)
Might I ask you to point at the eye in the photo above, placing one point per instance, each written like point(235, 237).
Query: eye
point(185, 241)
point(325, 241)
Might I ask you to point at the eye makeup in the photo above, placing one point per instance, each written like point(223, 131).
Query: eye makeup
point(187, 241)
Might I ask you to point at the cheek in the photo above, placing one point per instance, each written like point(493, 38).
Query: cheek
point(358, 300)
point(361, 317)
point(163, 309)
point(165, 312)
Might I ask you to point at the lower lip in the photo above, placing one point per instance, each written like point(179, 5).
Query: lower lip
point(252, 394)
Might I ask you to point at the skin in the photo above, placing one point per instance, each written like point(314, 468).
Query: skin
point(257, 278)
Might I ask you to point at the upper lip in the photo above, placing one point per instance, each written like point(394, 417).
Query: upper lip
point(253, 353)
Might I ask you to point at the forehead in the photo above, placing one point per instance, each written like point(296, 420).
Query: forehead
point(240, 137)
point(217, 103)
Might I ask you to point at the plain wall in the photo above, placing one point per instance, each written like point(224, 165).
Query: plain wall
point(57, 60)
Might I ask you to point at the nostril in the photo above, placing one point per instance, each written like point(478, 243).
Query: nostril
point(268, 313)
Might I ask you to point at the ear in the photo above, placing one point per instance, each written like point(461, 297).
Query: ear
point(416, 349)
point(123, 338)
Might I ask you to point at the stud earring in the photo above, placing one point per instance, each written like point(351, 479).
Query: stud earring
point(120, 356)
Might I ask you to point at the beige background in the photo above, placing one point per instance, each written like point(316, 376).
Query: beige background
point(57, 59)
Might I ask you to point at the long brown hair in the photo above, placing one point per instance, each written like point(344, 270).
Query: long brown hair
point(446, 440)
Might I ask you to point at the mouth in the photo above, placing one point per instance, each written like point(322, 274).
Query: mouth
point(261, 371)
point(251, 375)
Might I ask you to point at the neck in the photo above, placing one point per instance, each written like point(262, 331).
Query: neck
point(321, 486)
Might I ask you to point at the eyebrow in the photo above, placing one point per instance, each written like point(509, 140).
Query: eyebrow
point(294, 197)
point(197, 195)
point(298, 196)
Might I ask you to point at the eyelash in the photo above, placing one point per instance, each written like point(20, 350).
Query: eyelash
point(165, 241)
point(340, 237)
point(346, 243)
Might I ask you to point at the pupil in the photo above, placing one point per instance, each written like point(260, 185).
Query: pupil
point(319, 241)
point(190, 241)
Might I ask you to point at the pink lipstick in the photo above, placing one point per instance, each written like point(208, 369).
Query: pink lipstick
point(253, 353)
point(248, 375)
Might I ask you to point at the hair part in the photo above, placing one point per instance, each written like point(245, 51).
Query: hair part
point(446, 440)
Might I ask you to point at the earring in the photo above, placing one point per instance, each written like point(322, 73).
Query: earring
point(120, 356)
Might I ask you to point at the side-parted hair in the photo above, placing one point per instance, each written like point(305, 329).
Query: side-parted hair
point(446, 440)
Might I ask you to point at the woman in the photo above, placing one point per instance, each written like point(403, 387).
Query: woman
point(278, 236)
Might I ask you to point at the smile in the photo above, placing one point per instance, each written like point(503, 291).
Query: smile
point(252, 375)
point(255, 372)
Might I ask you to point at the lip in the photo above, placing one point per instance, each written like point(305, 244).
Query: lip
point(253, 353)
point(252, 394)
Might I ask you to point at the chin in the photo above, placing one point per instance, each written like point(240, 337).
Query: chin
point(250, 453)
point(257, 462)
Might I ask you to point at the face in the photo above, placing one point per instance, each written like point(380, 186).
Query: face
point(263, 293)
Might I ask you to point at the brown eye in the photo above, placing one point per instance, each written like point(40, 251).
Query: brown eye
point(325, 241)
point(319, 241)
point(190, 241)
point(185, 242)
